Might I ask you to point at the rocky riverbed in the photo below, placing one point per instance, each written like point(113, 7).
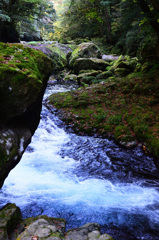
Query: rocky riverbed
point(12, 227)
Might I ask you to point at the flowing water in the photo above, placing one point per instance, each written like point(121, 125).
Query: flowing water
point(85, 179)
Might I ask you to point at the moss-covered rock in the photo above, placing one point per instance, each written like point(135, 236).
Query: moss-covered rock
point(89, 63)
point(87, 77)
point(10, 217)
point(43, 227)
point(124, 65)
point(71, 77)
point(23, 77)
point(59, 54)
point(85, 50)
point(105, 75)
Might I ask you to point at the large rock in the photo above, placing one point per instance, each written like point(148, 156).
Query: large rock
point(59, 53)
point(23, 78)
point(87, 77)
point(10, 217)
point(89, 63)
point(124, 65)
point(44, 228)
point(85, 50)
point(90, 231)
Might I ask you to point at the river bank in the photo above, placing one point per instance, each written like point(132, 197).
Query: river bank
point(125, 108)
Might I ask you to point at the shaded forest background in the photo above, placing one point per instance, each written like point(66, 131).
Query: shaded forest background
point(124, 26)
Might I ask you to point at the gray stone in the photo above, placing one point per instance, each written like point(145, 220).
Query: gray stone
point(105, 237)
point(43, 227)
point(77, 234)
point(82, 232)
point(93, 235)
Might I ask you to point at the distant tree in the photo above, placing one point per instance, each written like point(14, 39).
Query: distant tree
point(20, 16)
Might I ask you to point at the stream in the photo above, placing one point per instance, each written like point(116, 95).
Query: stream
point(85, 179)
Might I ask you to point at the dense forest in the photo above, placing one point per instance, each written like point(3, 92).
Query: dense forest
point(126, 27)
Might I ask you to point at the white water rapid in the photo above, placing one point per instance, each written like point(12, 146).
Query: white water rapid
point(85, 179)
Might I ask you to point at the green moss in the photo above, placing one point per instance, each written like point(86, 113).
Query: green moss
point(21, 63)
point(123, 133)
point(115, 119)
point(126, 107)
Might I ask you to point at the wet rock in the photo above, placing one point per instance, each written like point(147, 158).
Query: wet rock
point(44, 228)
point(10, 217)
point(95, 235)
point(82, 232)
point(89, 63)
point(90, 231)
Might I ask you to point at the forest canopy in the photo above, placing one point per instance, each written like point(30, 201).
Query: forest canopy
point(19, 18)
point(125, 24)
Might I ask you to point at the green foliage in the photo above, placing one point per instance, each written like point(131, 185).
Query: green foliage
point(27, 16)
point(122, 23)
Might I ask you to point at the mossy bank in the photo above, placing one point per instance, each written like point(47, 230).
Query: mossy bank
point(23, 78)
point(126, 108)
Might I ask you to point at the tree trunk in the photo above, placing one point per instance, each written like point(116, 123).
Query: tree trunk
point(154, 23)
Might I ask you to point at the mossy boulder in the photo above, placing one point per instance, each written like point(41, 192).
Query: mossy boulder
point(23, 78)
point(71, 77)
point(59, 54)
point(89, 63)
point(23, 74)
point(90, 231)
point(43, 227)
point(86, 77)
point(10, 217)
point(124, 65)
point(104, 75)
point(85, 50)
